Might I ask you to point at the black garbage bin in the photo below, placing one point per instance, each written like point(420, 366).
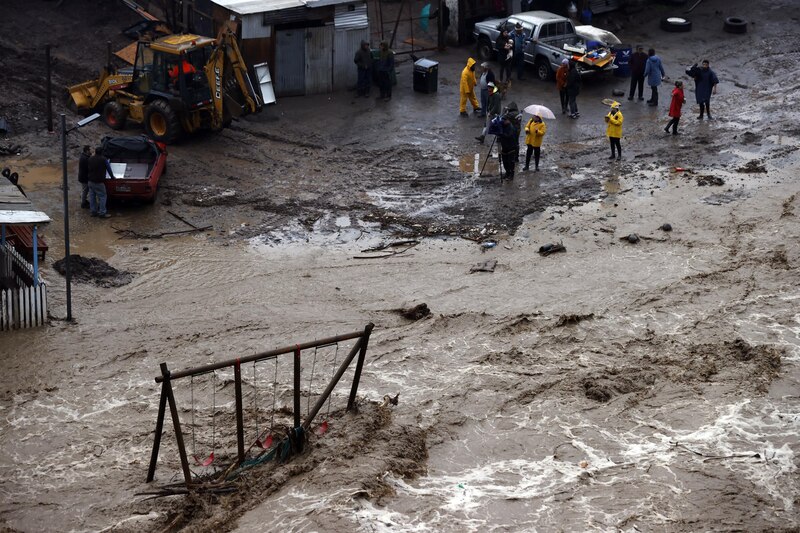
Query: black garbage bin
point(426, 76)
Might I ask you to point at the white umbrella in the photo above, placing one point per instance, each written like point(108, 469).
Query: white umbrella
point(542, 111)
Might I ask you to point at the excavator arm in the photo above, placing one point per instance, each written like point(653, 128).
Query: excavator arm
point(232, 90)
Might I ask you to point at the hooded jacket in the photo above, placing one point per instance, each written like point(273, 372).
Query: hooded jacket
point(468, 78)
point(677, 102)
point(614, 128)
point(534, 133)
point(654, 71)
point(363, 58)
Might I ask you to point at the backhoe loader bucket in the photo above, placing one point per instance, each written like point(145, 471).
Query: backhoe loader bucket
point(83, 94)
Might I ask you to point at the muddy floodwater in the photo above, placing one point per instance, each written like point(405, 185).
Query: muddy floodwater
point(625, 384)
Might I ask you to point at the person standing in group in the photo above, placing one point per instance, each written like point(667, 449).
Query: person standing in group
point(534, 133)
point(494, 105)
point(520, 40)
point(561, 83)
point(675, 108)
point(637, 64)
point(509, 146)
point(705, 84)
point(385, 68)
point(654, 72)
point(573, 88)
point(97, 168)
point(83, 175)
point(614, 130)
point(467, 88)
point(487, 77)
point(505, 54)
point(363, 61)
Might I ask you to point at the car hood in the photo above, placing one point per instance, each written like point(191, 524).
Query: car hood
point(489, 24)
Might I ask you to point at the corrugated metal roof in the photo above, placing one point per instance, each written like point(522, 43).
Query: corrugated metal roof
point(345, 19)
point(248, 7)
point(16, 208)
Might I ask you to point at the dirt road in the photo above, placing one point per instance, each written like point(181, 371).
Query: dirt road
point(616, 386)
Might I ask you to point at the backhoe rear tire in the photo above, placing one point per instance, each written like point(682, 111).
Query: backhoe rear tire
point(115, 115)
point(161, 122)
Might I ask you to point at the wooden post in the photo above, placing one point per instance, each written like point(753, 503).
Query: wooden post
point(359, 365)
point(237, 380)
point(173, 409)
point(297, 388)
point(162, 407)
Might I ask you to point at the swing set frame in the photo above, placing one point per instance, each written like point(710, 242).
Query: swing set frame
point(300, 427)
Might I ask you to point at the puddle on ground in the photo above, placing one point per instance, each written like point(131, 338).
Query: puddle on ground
point(36, 177)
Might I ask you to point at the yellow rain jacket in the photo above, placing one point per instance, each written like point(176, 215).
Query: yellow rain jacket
point(534, 133)
point(614, 128)
point(468, 78)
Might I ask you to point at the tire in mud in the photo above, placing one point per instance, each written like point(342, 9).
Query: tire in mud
point(115, 115)
point(675, 24)
point(543, 70)
point(485, 50)
point(161, 122)
point(735, 25)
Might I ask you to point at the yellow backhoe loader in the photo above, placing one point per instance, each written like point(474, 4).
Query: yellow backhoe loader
point(178, 84)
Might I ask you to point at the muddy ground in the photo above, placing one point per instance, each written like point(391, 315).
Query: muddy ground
point(616, 386)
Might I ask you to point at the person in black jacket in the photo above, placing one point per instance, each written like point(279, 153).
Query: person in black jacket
point(83, 175)
point(637, 64)
point(573, 88)
point(363, 60)
point(98, 166)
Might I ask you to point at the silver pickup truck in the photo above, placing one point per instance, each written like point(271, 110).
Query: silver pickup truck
point(550, 38)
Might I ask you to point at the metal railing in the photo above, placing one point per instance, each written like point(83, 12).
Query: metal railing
point(300, 427)
point(23, 303)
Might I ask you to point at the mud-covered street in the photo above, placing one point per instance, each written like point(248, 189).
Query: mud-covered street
point(617, 386)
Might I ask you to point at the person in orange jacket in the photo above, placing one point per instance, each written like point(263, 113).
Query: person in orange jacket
point(534, 133)
point(467, 88)
point(561, 84)
point(675, 107)
point(185, 68)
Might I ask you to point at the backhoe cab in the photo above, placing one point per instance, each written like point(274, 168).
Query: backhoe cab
point(178, 84)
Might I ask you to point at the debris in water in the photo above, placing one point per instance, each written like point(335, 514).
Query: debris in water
point(584, 464)
point(716, 181)
point(632, 238)
point(93, 270)
point(566, 320)
point(488, 245)
point(548, 249)
point(753, 166)
point(486, 266)
point(665, 227)
point(415, 313)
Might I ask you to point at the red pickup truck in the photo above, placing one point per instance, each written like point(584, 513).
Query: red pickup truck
point(138, 163)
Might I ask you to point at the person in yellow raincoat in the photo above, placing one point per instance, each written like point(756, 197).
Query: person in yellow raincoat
point(534, 133)
point(614, 130)
point(467, 88)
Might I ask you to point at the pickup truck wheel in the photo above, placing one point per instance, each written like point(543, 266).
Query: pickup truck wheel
point(675, 24)
point(543, 70)
point(485, 50)
point(735, 25)
point(161, 122)
point(115, 115)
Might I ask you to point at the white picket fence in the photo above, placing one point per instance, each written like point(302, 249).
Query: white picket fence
point(24, 306)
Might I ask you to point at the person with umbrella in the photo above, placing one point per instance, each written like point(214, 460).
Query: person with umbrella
point(614, 130)
point(534, 133)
